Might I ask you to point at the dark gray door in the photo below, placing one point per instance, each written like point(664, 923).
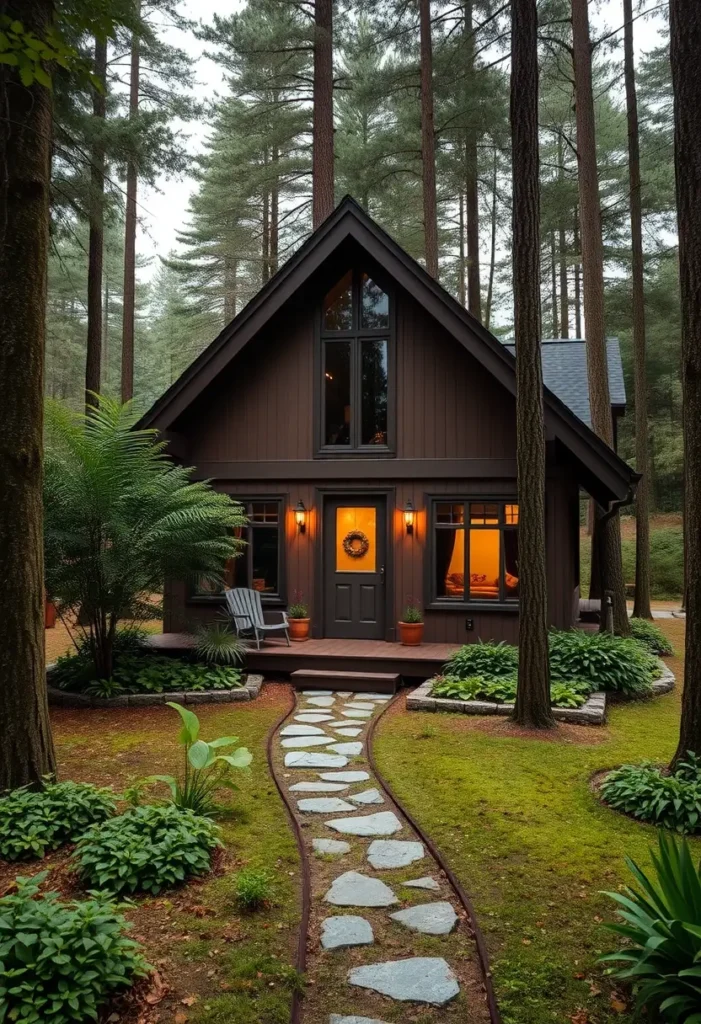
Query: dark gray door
point(354, 567)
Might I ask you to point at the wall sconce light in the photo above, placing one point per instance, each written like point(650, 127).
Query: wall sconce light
point(301, 517)
point(409, 516)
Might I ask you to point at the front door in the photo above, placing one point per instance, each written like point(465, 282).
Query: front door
point(354, 567)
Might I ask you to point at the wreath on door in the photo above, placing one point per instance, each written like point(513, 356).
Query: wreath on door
point(356, 544)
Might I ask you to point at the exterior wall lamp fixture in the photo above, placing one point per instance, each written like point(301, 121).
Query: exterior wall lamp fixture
point(409, 516)
point(301, 517)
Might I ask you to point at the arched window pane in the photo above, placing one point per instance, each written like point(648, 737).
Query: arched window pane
point(374, 306)
point(338, 305)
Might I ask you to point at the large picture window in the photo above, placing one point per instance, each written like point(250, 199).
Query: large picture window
point(355, 366)
point(259, 567)
point(474, 551)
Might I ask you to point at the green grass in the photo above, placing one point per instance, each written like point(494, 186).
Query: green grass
point(666, 561)
point(518, 821)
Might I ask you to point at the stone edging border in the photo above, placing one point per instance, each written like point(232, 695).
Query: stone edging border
point(592, 712)
point(249, 691)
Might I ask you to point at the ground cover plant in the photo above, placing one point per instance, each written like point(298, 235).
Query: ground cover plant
point(34, 821)
point(502, 690)
point(666, 559)
point(652, 793)
point(651, 637)
point(59, 961)
point(519, 822)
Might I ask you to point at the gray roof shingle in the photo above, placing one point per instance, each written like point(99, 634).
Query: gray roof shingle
point(565, 373)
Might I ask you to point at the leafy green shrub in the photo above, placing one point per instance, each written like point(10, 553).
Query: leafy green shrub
point(148, 848)
point(649, 793)
point(142, 672)
point(666, 562)
point(662, 931)
point(217, 644)
point(60, 961)
point(253, 888)
point(606, 662)
point(34, 821)
point(568, 695)
point(503, 690)
point(412, 613)
point(650, 636)
point(487, 659)
point(205, 769)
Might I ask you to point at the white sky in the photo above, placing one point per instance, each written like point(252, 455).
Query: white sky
point(163, 211)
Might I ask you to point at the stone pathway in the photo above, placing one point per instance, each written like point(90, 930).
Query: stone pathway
point(386, 928)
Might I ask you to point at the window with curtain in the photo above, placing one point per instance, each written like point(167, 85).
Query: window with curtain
point(474, 551)
point(259, 566)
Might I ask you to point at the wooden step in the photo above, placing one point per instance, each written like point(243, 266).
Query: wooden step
point(356, 682)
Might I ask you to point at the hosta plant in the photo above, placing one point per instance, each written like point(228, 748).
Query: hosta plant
point(147, 849)
point(650, 636)
point(59, 961)
point(487, 659)
point(606, 662)
point(205, 770)
point(33, 822)
point(661, 925)
point(651, 793)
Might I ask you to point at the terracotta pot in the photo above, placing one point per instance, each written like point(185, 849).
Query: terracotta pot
point(411, 634)
point(299, 629)
point(50, 614)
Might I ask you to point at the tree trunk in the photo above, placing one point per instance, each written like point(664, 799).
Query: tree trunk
point(26, 751)
point(533, 694)
point(609, 538)
point(97, 236)
point(106, 336)
point(428, 142)
point(493, 245)
point(564, 298)
point(577, 279)
point(553, 284)
point(641, 606)
point(130, 236)
point(322, 142)
point(685, 47)
point(274, 215)
point(230, 282)
point(474, 295)
point(265, 262)
point(461, 265)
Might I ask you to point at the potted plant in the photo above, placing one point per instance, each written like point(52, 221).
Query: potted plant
point(298, 615)
point(411, 626)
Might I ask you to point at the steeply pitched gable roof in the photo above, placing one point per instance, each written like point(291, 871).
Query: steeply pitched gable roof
point(601, 471)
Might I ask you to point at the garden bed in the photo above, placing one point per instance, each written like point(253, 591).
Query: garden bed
point(592, 712)
point(249, 690)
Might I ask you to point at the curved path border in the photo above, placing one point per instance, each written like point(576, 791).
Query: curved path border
point(460, 892)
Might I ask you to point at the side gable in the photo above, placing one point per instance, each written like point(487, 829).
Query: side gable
point(604, 474)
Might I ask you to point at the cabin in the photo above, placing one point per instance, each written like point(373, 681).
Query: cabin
point(366, 421)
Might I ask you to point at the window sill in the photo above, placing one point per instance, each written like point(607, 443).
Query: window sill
point(473, 606)
point(218, 599)
point(355, 453)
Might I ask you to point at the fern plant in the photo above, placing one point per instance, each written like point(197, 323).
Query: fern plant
point(120, 518)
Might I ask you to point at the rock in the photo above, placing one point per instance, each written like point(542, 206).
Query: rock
point(357, 714)
point(379, 697)
point(323, 805)
point(350, 749)
point(331, 847)
point(336, 1018)
point(428, 918)
point(344, 776)
point(347, 930)
point(317, 693)
point(423, 883)
point(347, 732)
point(355, 890)
point(359, 706)
point(302, 730)
point(394, 853)
point(343, 693)
point(384, 823)
point(312, 759)
point(368, 796)
point(321, 702)
point(318, 787)
point(305, 741)
point(312, 716)
point(345, 723)
point(419, 979)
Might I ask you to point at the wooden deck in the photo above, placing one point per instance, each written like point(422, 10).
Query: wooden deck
point(276, 658)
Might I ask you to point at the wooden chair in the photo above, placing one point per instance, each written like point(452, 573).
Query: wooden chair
point(246, 610)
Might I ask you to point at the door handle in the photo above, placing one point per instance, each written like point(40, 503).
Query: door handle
point(382, 574)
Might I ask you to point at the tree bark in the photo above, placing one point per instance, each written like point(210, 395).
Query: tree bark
point(26, 751)
point(641, 605)
point(130, 236)
point(274, 214)
point(532, 708)
point(428, 142)
point(493, 245)
point(474, 295)
point(553, 284)
point(96, 237)
point(608, 536)
point(685, 47)
point(461, 249)
point(322, 131)
point(577, 279)
point(265, 263)
point(562, 231)
point(230, 284)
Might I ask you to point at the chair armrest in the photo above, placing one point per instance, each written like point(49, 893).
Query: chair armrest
point(285, 620)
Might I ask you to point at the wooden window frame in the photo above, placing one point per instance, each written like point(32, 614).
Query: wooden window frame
point(440, 603)
point(278, 600)
point(356, 337)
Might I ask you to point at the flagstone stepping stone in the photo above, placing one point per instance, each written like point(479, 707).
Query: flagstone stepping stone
point(357, 714)
point(331, 846)
point(305, 741)
point(347, 732)
point(384, 823)
point(324, 804)
point(336, 1018)
point(368, 796)
point(351, 749)
point(312, 759)
point(347, 930)
point(377, 696)
point(321, 702)
point(346, 723)
point(355, 890)
point(428, 918)
point(423, 883)
point(358, 706)
point(393, 853)
point(318, 787)
point(419, 979)
point(344, 776)
point(317, 693)
point(312, 716)
point(302, 730)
